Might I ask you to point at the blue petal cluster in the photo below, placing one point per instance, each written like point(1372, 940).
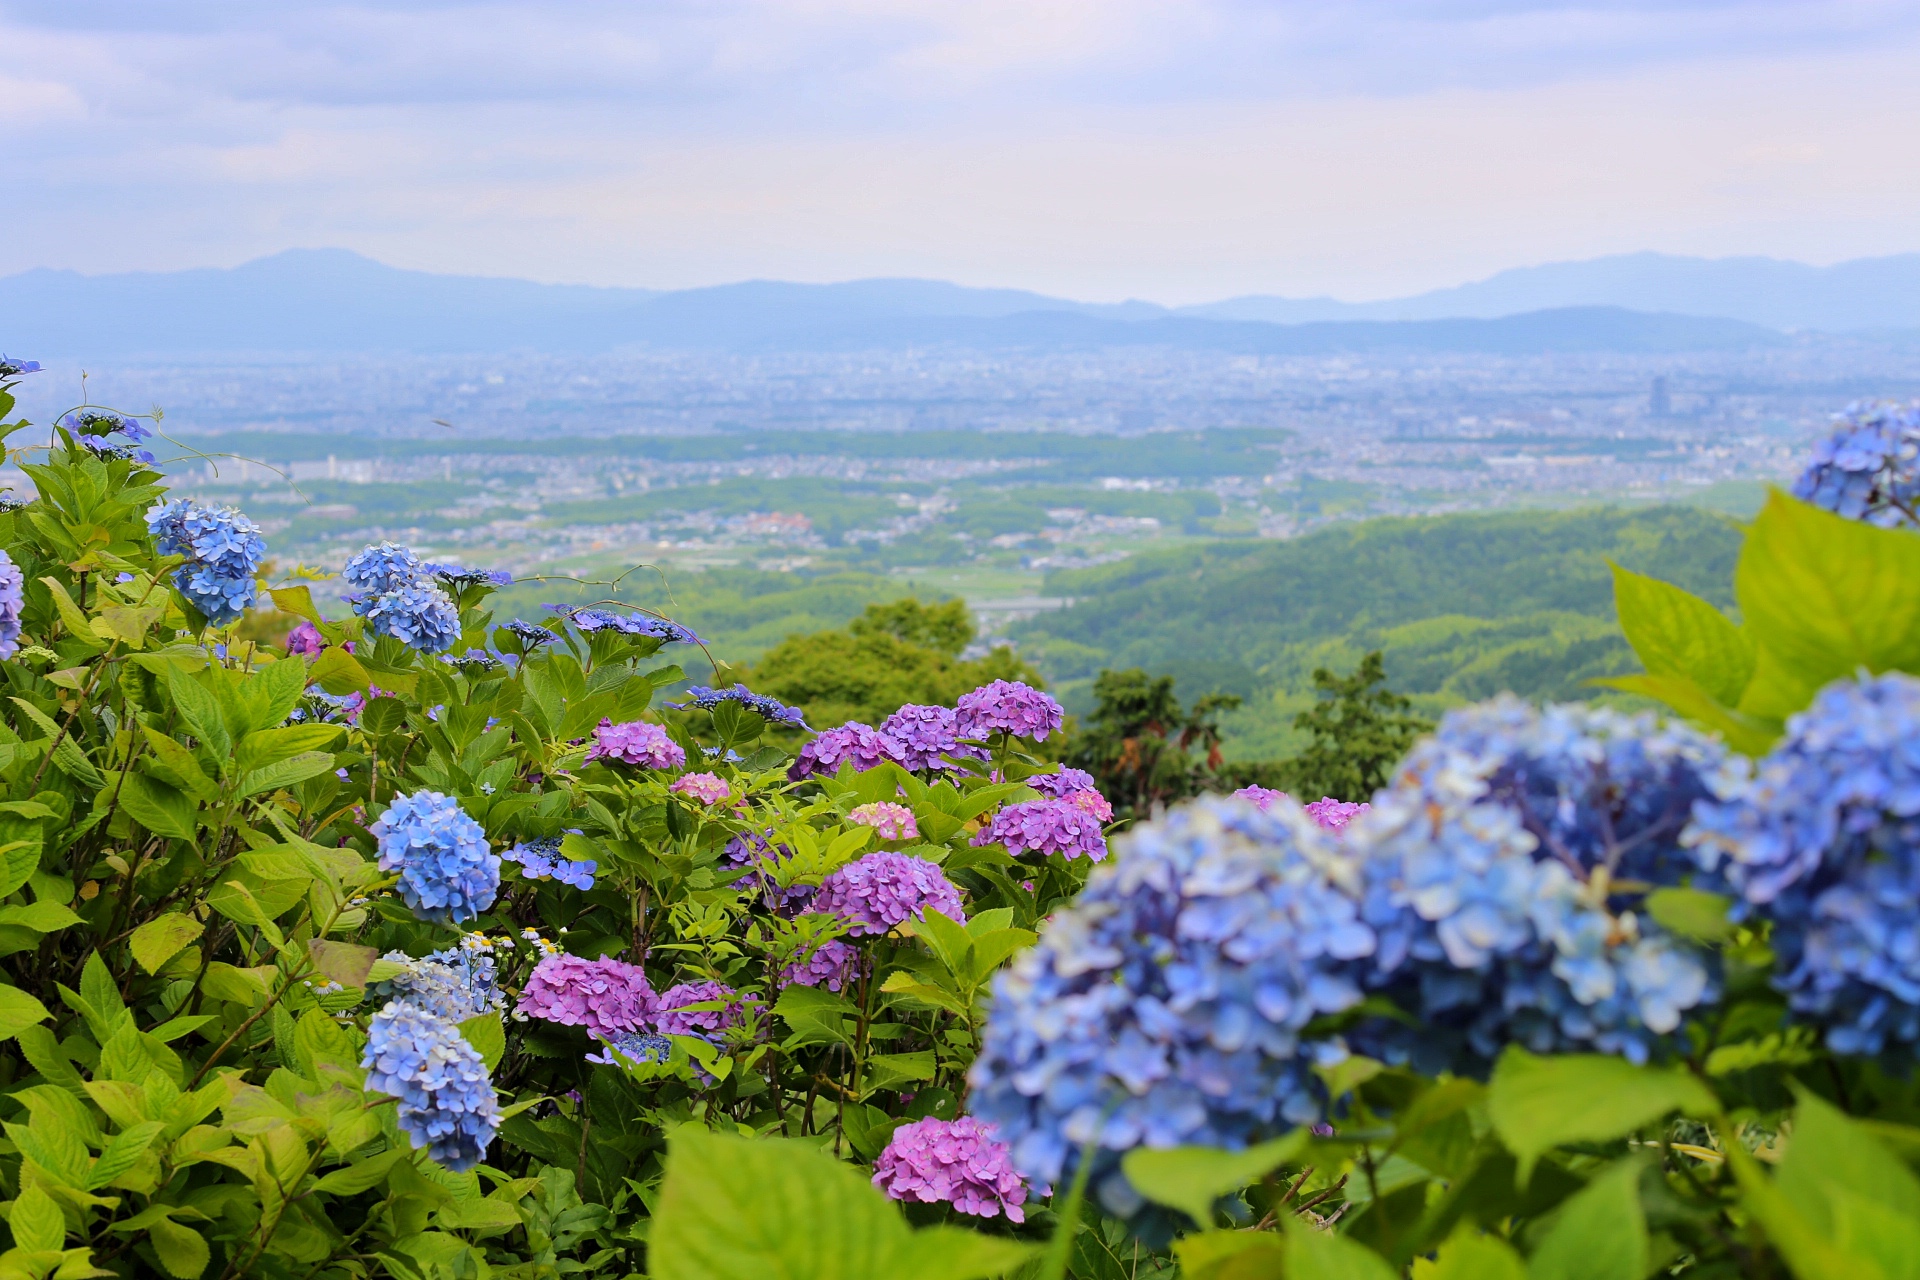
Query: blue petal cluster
point(224, 551)
point(12, 600)
point(13, 367)
point(775, 711)
point(447, 872)
point(447, 1103)
point(1169, 1004)
point(1869, 467)
point(382, 567)
point(419, 614)
point(1822, 837)
point(458, 577)
point(542, 860)
point(636, 1046)
point(109, 435)
point(531, 636)
point(631, 624)
point(1505, 862)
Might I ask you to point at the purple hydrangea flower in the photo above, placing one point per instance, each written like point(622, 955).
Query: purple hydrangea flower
point(605, 996)
point(751, 855)
point(542, 860)
point(927, 736)
point(707, 788)
point(876, 893)
point(891, 821)
point(628, 624)
point(447, 1104)
point(637, 742)
point(13, 366)
point(851, 741)
point(771, 709)
point(1333, 814)
point(1008, 706)
point(305, 640)
point(1093, 804)
point(673, 1016)
point(1261, 798)
point(1044, 827)
point(956, 1162)
point(447, 872)
point(459, 577)
point(834, 965)
point(12, 599)
point(1062, 782)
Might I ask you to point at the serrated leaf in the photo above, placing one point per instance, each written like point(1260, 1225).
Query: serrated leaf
point(361, 1176)
point(1676, 633)
point(286, 773)
point(161, 939)
point(18, 1010)
point(37, 1222)
point(158, 806)
point(122, 1152)
point(41, 917)
point(339, 672)
point(181, 1250)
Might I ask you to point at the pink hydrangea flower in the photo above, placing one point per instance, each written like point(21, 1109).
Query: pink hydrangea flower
point(1261, 798)
point(637, 742)
point(604, 996)
point(832, 965)
point(1007, 706)
point(956, 1162)
point(672, 1017)
point(1333, 814)
point(876, 893)
point(1046, 826)
point(305, 640)
point(1094, 804)
point(707, 788)
point(892, 821)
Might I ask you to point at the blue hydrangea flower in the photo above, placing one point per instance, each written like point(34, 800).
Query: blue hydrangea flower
point(631, 624)
point(13, 367)
point(12, 600)
point(109, 435)
point(636, 1046)
point(447, 872)
point(541, 859)
point(1506, 862)
point(447, 1103)
point(382, 567)
point(775, 711)
point(224, 551)
point(531, 636)
point(456, 984)
point(1822, 837)
point(1168, 1004)
point(419, 614)
point(1869, 467)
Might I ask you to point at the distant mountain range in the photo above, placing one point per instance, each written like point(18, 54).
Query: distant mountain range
point(334, 301)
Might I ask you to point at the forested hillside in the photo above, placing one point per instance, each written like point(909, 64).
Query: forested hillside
point(1463, 606)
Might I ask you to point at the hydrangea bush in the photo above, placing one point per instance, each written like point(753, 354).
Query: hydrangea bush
point(433, 946)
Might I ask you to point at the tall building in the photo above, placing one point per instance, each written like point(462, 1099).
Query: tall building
point(1658, 404)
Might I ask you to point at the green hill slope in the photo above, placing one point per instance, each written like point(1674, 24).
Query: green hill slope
point(1463, 606)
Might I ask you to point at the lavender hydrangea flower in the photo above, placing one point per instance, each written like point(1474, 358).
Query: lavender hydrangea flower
point(891, 821)
point(956, 1162)
point(1167, 1005)
point(1062, 782)
point(637, 742)
point(447, 873)
point(1334, 815)
point(447, 1103)
point(1505, 860)
point(605, 996)
point(531, 636)
point(877, 893)
point(1869, 467)
point(634, 1046)
point(674, 1014)
point(852, 741)
point(707, 788)
point(928, 737)
point(108, 435)
point(224, 551)
point(1093, 804)
point(541, 859)
point(382, 567)
point(418, 614)
point(772, 709)
point(13, 367)
point(1008, 706)
point(1822, 838)
point(12, 600)
point(748, 856)
point(305, 640)
point(456, 984)
point(629, 624)
point(1044, 827)
point(833, 964)
point(1261, 798)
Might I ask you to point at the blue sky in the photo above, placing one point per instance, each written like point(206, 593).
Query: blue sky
point(1097, 148)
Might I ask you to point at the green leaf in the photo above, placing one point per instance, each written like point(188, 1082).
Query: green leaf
point(181, 1250)
point(18, 1010)
point(1190, 1179)
point(902, 983)
point(1746, 733)
point(200, 709)
point(41, 917)
point(362, 1176)
point(1313, 1254)
point(1691, 913)
point(237, 903)
point(1469, 1256)
point(1828, 595)
point(815, 1016)
point(339, 672)
point(1676, 633)
point(487, 1036)
point(1828, 1152)
point(286, 773)
point(158, 806)
point(346, 963)
point(1600, 1234)
point(1537, 1104)
point(37, 1222)
point(383, 715)
point(1231, 1255)
point(296, 600)
point(891, 1070)
point(746, 1209)
point(263, 747)
point(246, 987)
point(161, 939)
point(122, 1152)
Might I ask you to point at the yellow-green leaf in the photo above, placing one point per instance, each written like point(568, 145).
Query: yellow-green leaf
point(161, 939)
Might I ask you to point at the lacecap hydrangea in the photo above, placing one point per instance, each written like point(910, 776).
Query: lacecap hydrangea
point(1507, 865)
point(1822, 838)
point(774, 710)
point(223, 549)
point(1868, 468)
point(447, 1103)
point(1168, 1005)
point(448, 874)
point(457, 983)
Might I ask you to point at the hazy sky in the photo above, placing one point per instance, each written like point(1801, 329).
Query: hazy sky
point(1098, 148)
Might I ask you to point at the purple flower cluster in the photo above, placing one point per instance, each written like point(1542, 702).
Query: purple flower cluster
point(876, 893)
point(1008, 706)
point(542, 860)
point(772, 709)
point(628, 624)
point(859, 743)
point(604, 996)
point(891, 821)
point(956, 1162)
point(672, 1014)
point(109, 435)
point(531, 636)
point(928, 736)
point(833, 965)
point(637, 1047)
point(1334, 815)
point(1062, 782)
point(305, 640)
point(13, 366)
point(637, 742)
point(12, 599)
point(707, 788)
point(1261, 798)
point(1044, 827)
